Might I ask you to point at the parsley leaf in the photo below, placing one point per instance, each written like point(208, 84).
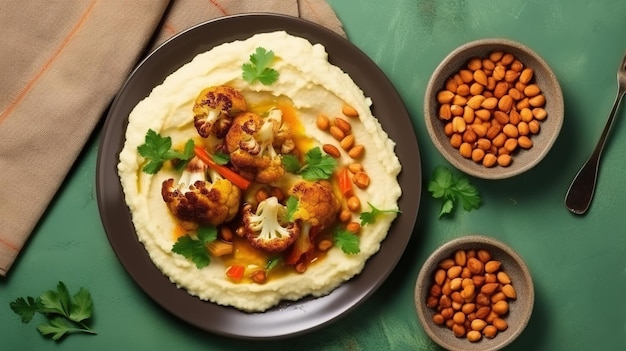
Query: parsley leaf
point(444, 185)
point(221, 158)
point(158, 149)
point(257, 68)
point(272, 263)
point(370, 217)
point(195, 249)
point(82, 306)
point(26, 307)
point(292, 206)
point(65, 313)
point(57, 327)
point(57, 301)
point(316, 165)
point(346, 241)
point(291, 163)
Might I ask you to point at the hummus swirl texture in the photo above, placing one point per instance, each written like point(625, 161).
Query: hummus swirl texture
point(312, 86)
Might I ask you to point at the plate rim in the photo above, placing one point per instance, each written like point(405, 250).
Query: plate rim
point(355, 290)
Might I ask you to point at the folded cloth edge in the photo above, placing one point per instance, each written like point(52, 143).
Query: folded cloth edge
point(54, 142)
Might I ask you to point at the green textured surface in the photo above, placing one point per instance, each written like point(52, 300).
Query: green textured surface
point(578, 263)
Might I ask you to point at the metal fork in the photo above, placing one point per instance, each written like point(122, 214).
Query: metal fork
point(580, 192)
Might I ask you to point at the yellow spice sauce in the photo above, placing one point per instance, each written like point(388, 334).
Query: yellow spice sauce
point(243, 253)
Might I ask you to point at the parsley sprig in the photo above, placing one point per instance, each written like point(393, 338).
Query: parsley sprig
point(157, 149)
point(257, 68)
point(195, 249)
point(65, 313)
point(370, 217)
point(347, 241)
point(445, 185)
point(316, 165)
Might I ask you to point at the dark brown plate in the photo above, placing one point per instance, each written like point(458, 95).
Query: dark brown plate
point(288, 318)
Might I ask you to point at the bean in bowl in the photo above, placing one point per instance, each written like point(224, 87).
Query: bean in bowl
point(491, 108)
point(470, 293)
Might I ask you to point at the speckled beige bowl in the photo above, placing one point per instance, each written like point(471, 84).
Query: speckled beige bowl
point(522, 160)
point(520, 309)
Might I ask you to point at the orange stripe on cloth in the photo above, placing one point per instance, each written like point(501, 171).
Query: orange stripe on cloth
point(9, 245)
point(219, 7)
point(169, 28)
point(5, 114)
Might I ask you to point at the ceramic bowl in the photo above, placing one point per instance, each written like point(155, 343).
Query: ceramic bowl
point(519, 308)
point(522, 159)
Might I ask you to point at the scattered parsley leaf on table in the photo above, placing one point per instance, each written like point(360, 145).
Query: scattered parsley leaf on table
point(82, 306)
point(26, 308)
point(195, 249)
point(347, 241)
point(316, 165)
point(158, 149)
point(257, 68)
point(445, 185)
point(57, 327)
point(65, 314)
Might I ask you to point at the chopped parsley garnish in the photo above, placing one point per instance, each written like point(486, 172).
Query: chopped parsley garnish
point(291, 163)
point(316, 165)
point(258, 67)
point(370, 217)
point(292, 206)
point(65, 314)
point(272, 263)
point(195, 249)
point(444, 185)
point(157, 149)
point(221, 158)
point(347, 241)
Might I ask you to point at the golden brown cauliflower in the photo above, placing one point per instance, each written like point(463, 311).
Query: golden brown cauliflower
point(196, 201)
point(214, 110)
point(256, 143)
point(317, 209)
point(268, 228)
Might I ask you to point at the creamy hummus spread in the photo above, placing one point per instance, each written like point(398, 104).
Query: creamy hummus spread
point(307, 86)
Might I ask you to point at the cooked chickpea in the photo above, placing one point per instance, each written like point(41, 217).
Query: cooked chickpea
point(353, 203)
point(345, 215)
point(353, 227)
point(470, 295)
point(497, 89)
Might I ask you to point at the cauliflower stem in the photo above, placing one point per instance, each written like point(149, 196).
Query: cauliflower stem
point(317, 209)
point(268, 229)
point(194, 200)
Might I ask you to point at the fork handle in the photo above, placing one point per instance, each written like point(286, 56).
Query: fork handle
point(580, 192)
point(583, 186)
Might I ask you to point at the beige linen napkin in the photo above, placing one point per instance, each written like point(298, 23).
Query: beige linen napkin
point(62, 63)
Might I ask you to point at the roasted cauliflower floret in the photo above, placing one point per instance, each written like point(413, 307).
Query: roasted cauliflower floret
point(215, 108)
point(256, 143)
point(317, 209)
point(194, 200)
point(268, 229)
